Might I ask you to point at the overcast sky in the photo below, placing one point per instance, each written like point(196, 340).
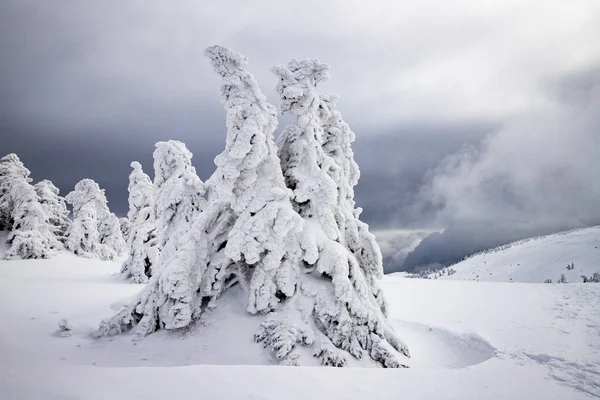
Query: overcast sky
point(463, 110)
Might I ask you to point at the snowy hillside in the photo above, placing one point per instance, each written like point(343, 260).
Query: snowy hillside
point(468, 340)
point(536, 259)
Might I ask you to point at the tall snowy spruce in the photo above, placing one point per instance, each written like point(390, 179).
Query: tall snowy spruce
point(31, 233)
point(95, 232)
point(142, 242)
point(177, 195)
point(317, 161)
point(55, 207)
point(306, 285)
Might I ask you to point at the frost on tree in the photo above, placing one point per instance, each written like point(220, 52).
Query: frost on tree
point(95, 231)
point(344, 301)
point(177, 195)
point(143, 250)
point(109, 229)
point(11, 170)
point(291, 257)
point(246, 232)
point(125, 225)
point(32, 234)
point(54, 206)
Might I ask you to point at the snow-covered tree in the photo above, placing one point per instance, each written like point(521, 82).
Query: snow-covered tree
point(11, 170)
point(109, 229)
point(318, 165)
point(290, 258)
point(32, 234)
point(243, 234)
point(337, 143)
point(178, 195)
point(54, 206)
point(125, 225)
point(95, 231)
point(143, 249)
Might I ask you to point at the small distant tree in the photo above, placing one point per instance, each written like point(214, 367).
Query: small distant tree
point(109, 229)
point(94, 232)
point(571, 266)
point(142, 244)
point(54, 206)
point(11, 171)
point(594, 278)
point(562, 279)
point(32, 234)
point(125, 225)
point(548, 280)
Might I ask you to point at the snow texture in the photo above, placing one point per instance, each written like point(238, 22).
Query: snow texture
point(469, 340)
point(95, 231)
point(142, 241)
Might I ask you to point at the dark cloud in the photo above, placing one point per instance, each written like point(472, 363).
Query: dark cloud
point(88, 86)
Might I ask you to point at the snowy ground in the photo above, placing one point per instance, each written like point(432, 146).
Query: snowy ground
point(469, 340)
point(537, 259)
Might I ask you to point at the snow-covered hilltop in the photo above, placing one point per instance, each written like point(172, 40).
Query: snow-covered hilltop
point(535, 260)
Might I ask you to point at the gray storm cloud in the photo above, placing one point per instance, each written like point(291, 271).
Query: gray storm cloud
point(87, 87)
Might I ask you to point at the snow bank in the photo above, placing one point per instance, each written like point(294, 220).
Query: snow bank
point(468, 340)
point(536, 259)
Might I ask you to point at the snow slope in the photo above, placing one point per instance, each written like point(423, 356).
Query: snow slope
point(475, 340)
point(536, 259)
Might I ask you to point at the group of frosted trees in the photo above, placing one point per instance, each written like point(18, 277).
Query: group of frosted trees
point(277, 219)
point(37, 218)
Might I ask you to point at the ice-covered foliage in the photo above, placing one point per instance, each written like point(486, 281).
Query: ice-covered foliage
point(341, 255)
point(244, 232)
point(143, 250)
point(11, 170)
point(32, 234)
point(125, 225)
point(55, 207)
point(177, 195)
point(264, 238)
point(286, 240)
point(95, 231)
point(109, 229)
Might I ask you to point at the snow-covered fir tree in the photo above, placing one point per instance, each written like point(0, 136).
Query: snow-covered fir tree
point(293, 263)
point(95, 231)
point(109, 229)
point(142, 244)
point(125, 225)
point(337, 143)
point(317, 162)
point(177, 195)
point(11, 170)
point(55, 207)
point(32, 234)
